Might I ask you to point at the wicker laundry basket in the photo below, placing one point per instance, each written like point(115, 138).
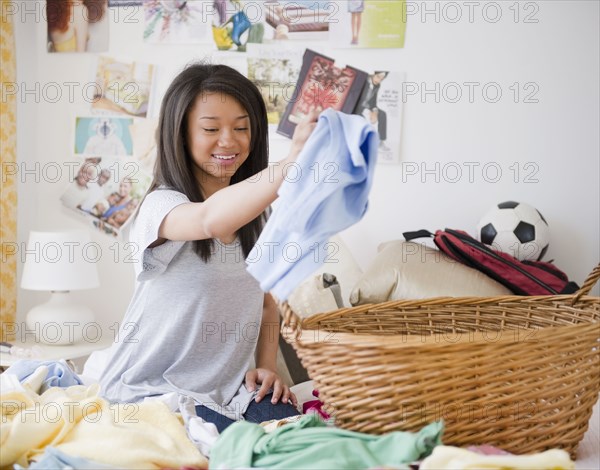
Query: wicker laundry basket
point(520, 373)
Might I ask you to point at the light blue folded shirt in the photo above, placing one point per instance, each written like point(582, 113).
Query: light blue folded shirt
point(53, 459)
point(59, 373)
point(327, 193)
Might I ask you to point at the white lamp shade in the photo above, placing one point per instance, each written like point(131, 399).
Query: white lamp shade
point(60, 261)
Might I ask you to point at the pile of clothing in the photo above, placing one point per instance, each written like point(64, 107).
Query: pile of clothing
point(51, 419)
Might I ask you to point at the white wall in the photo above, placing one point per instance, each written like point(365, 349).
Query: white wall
point(557, 136)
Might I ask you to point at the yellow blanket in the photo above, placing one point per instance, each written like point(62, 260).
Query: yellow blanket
point(78, 422)
point(454, 458)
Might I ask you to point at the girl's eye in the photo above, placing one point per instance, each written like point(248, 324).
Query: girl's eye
point(242, 129)
point(210, 130)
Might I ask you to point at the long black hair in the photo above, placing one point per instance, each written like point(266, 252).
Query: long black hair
point(173, 167)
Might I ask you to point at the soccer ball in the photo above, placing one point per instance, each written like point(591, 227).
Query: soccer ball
point(515, 228)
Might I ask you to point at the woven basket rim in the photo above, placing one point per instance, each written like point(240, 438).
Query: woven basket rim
point(310, 331)
point(476, 300)
point(359, 340)
point(450, 302)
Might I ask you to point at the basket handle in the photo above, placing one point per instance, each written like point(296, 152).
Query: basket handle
point(587, 285)
point(290, 320)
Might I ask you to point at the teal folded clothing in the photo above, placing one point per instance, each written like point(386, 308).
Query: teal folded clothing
point(311, 444)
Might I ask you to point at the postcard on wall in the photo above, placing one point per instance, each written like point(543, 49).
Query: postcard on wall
point(123, 87)
point(236, 24)
point(143, 135)
point(106, 192)
point(322, 84)
point(175, 22)
point(274, 70)
point(369, 24)
point(298, 19)
point(103, 136)
point(76, 28)
point(381, 105)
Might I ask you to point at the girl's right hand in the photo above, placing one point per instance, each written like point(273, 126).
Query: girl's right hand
point(303, 131)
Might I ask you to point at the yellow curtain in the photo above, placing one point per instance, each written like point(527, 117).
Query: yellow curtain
point(8, 187)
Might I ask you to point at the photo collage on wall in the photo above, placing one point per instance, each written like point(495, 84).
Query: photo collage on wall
point(232, 25)
point(115, 147)
point(114, 143)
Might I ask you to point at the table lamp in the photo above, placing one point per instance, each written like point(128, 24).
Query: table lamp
point(59, 262)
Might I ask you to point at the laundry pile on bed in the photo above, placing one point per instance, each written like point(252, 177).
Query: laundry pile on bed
point(49, 408)
point(51, 419)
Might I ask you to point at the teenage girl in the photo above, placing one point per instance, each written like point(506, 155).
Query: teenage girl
point(197, 318)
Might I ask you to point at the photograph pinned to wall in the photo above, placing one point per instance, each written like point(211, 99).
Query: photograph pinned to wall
point(321, 84)
point(275, 71)
point(77, 26)
point(175, 22)
point(143, 135)
point(236, 23)
point(104, 136)
point(369, 24)
point(106, 191)
point(380, 103)
point(123, 87)
point(299, 19)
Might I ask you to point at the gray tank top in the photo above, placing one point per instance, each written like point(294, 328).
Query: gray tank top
point(191, 327)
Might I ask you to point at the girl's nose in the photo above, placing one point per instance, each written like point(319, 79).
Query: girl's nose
point(226, 139)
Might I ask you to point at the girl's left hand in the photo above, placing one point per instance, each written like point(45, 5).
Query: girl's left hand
point(269, 379)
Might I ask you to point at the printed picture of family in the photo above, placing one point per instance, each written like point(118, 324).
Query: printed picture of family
point(107, 191)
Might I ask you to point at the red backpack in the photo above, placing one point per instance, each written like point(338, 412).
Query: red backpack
point(521, 277)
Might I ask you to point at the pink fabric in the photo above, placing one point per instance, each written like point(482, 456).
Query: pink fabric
point(315, 406)
point(487, 449)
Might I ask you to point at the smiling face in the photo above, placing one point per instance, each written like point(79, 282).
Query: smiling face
point(103, 177)
point(124, 187)
point(218, 141)
point(85, 174)
point(113, 198)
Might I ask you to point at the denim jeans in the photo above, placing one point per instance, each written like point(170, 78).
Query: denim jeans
point(255, 413)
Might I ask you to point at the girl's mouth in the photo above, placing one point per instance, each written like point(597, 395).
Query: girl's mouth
point(225, 159)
